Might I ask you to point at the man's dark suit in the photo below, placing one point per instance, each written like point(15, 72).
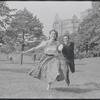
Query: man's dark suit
point(68, 60)
point(68, 53)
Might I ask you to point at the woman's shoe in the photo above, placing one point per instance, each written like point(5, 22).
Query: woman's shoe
point(68, 82)
point(48, 87)
point(30, 73)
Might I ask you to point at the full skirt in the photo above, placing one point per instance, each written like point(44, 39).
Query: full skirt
point(49, 70)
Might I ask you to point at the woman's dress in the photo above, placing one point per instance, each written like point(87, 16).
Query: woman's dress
point(49, 68)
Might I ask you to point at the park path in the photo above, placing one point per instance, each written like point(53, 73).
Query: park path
point(16, 83)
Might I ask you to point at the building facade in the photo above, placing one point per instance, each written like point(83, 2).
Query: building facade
point(66, 26)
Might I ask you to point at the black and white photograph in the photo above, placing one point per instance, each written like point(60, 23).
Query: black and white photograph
point(50, 49)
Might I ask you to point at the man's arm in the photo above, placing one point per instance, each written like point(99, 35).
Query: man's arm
point(60, 48)
point(75, 49)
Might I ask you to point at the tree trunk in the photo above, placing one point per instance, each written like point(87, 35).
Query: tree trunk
point(22, 49)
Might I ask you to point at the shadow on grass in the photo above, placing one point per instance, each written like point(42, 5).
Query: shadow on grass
point(30, 63)
point(3, 60)
point(74, 90)
point(21, 70)
point(81, 64)
point(78, 71)
point(17, 62)
point(9, 63)
point(93, 83)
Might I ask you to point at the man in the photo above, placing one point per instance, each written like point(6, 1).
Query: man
point(67, 49)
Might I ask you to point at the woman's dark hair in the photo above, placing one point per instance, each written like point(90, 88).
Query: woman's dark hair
point(55, 33)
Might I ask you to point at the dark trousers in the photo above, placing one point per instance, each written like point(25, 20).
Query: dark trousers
point(71, 64)
point(67, 64)
point(66, 73)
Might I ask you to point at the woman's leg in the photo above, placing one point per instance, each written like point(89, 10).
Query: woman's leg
point(30, 72)
point(49, 85)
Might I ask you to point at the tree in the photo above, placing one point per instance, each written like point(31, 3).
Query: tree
point(89, 31)
point(5, 15)
point(24, 24)
point(5, 18)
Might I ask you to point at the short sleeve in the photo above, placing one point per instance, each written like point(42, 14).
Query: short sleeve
point(60, 47)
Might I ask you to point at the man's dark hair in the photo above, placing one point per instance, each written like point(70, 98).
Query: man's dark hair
point(67, 36)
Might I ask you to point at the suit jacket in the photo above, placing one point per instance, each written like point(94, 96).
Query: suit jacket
point(68, 53)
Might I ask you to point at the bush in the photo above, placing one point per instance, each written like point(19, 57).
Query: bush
point(90, 54)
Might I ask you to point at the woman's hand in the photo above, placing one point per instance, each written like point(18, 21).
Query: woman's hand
point(22, 52)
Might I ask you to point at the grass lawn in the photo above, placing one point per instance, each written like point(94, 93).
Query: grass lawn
point(16, 83)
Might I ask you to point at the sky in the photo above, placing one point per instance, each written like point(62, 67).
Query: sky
point(46, 10)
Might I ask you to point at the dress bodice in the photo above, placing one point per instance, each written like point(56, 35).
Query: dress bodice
point(51, 49)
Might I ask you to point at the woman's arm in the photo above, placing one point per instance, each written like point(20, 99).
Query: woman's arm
point(34, 48)
point(27, 41)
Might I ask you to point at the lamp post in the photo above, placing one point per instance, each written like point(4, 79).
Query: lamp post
point(86, 47)
point(22, 46)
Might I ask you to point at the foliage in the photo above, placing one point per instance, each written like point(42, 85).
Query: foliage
point(24, 22)
point(5, 15)
point(7, 49)
point(89, 32)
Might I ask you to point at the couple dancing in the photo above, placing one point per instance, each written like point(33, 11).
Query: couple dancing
point(56, 61)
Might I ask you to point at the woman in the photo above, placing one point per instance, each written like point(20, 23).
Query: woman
point(49, 69)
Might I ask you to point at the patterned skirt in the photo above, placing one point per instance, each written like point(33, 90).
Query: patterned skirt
point(49, 69)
